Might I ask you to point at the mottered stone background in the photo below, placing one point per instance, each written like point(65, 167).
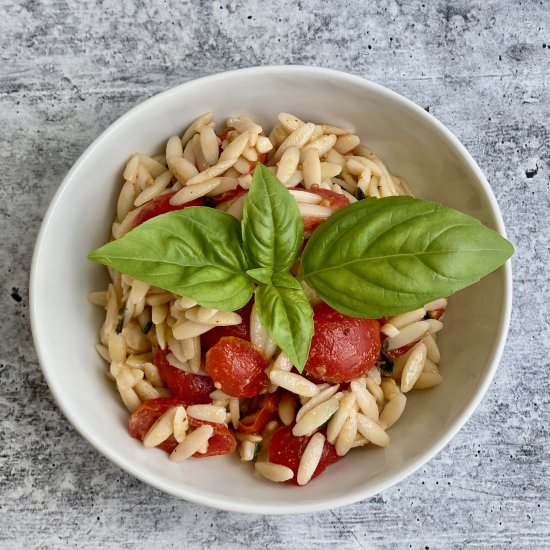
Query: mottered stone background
point(70, 68)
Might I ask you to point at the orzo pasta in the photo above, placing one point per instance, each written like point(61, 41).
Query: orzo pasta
point(199, 381)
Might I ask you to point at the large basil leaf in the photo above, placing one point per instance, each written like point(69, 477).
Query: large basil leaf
point(272, 226)
point(380, 257)
point(195, 252)
point(286, 314)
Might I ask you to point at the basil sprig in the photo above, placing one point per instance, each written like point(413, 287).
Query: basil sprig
point(375, 258)
point(380, 257)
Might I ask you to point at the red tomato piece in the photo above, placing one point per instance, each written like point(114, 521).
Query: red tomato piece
point(256, 422)
point(223, 134)
point(141, 420)
point(397, 352)
point(342, 347)
point(222, 441)
point(208, 339)
point(437, 313)
point(287, 449)
point(253, 163)
point(191, 388)
point(146, 415)
point(161, 205)
point(228, 195)
point(237, 366)
point(335, 201)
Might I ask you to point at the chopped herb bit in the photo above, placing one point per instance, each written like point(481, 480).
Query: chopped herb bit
point(147, 327)
point(360, 194)
point(119, 326)
point(385, 365)
point(257, 449)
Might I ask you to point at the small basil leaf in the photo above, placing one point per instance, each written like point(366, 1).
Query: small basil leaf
point(261, 275)
point(272, 226)
point(380, 257)
point(288, 318)
point(195, 252)
point(286, 280)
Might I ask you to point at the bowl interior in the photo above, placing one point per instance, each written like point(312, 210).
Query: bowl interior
point(65, 325)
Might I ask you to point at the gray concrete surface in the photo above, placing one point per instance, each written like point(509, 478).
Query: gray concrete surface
point(70, 68)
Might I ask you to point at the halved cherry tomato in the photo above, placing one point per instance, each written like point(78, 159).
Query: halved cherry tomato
point(335, 201)
point(237, 367)
point(161, 205)
point(287, 449)
point(221, 442)
point(191, 388)
point(342, 347)
point(254, 423)
point(242, 330)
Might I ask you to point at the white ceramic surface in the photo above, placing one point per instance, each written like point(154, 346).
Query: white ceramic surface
point(65, 326)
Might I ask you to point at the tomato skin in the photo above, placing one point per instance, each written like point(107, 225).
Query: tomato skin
point(146, 415)
point(191, 388)
point(237, 366)
point(227, 195)
point(287, 449)
point(398, 352)
point(335, 201)
point(437, 313)
point(342, 347)
point(208, 339)
point(221, 442)
point(161, 205)
point(256, 422)
point(253, 163)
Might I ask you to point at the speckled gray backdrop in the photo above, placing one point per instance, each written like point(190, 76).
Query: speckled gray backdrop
point(70, 68)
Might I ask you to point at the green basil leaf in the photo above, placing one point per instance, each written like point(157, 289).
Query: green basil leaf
point(287, 316)
point(272, 226)
point(286, 280)
point(261, 275)
point(195, 252)
point(380, 257)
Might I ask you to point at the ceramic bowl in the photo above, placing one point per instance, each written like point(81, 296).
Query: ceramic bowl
point(411, 142)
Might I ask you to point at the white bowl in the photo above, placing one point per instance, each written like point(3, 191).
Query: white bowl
point(65, 327)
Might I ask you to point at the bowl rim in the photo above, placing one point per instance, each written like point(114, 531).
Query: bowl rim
point(307, 506)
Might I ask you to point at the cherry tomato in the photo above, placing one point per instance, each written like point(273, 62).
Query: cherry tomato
point(221, 442)
point(342, 347)
point(242, 330)
point(335, 201)
point(161, 205)
point(254, 423)
point(237, 366)
point(287, 449)
point(191, 388)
